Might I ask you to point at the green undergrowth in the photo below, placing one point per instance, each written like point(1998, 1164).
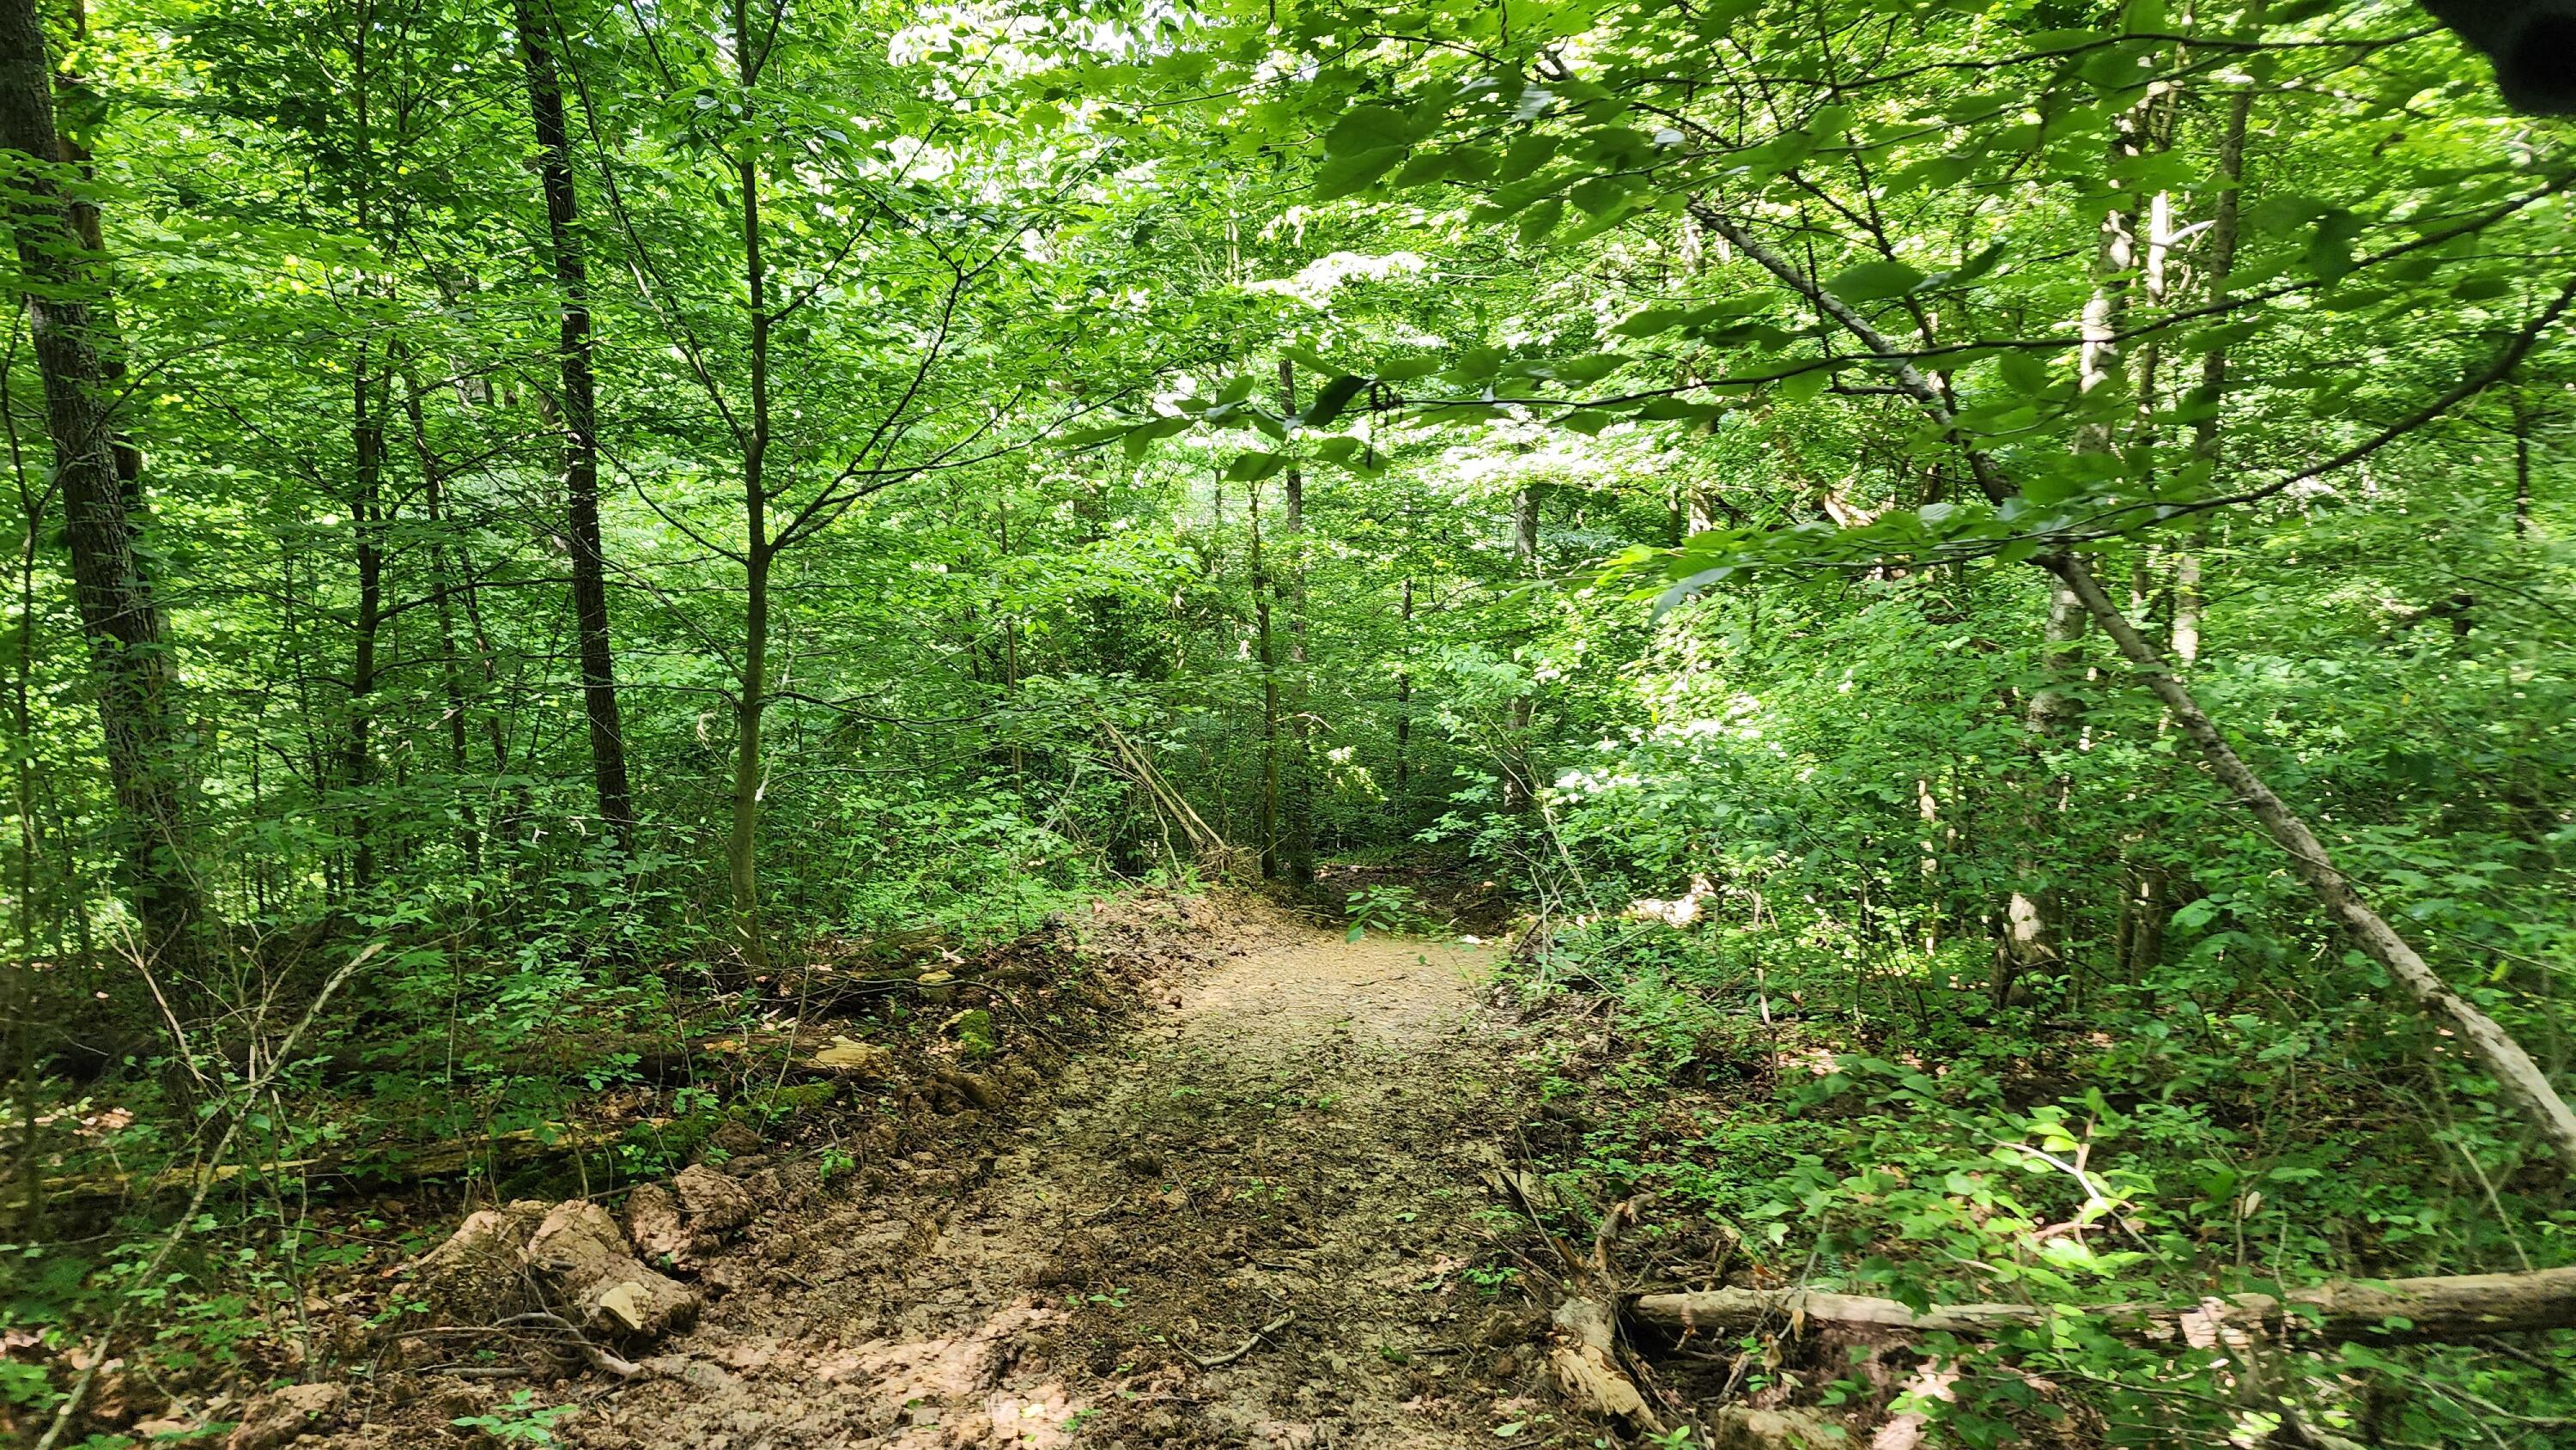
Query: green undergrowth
point(1789, 1118)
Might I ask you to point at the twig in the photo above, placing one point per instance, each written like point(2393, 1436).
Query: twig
point(1626, 1212)
point(600, 1359)
point(1217, 1361)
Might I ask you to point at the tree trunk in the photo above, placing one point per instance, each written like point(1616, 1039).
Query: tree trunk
point(742, 861)
point(135, 680)
point(1404, 703)
point(1519, 793)
point(1297, 801)
point(366, 494)
point(433, 489)
point(1270, 865)
point(2034, 915)
point(2521, 464)
point(581, 433)
point(2205, 447)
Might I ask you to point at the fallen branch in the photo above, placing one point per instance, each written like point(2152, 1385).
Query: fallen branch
point(1212, 850)
point(2446, 1307)
point(1219, 1361)
point(603, 1360)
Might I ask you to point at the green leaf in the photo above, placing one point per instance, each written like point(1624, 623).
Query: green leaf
point(2024, 370)
point(1524, 156)
point(2329, 253)
point(1874, 281)
point(1363, 129)
point(1650, 321)
point(1590, 368)
point(1142, 438)
point(1803, 387)
point(1541, 219)
point(1341, 176)
point(1254, 467)
point(1970, 270)
point(1331, 400)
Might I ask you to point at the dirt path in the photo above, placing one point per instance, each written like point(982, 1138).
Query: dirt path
point(1295, 1139)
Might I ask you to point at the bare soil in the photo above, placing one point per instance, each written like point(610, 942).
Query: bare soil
point(1257, 1216)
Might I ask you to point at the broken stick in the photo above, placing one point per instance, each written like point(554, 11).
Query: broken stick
point(1218, 1361)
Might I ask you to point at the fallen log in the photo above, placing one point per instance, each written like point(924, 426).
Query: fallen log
point(2444, 1307)
point(812, 1054)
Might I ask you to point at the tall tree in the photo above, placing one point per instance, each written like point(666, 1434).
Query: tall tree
point(580, 411)
point(134, 678)
point(1297, 787)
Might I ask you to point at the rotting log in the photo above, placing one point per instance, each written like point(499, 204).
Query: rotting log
point(2444, 1307)
point(827, 1055)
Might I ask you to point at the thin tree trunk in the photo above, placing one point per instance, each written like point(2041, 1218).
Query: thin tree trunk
point(2189, 601)
point(2034, 915)
point(742, 850)
point(1404, 703)
point(19, 1035)
point(433, 476)
point(573, 351)
point(1269, 695)
point(2524, 1084)
point(1297, 804)
point(366, 494)
point(2521, 464)
point(135, 680)
point(1518, 794)
point(742, 861)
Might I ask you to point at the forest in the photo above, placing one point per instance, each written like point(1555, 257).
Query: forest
point(1292, 725)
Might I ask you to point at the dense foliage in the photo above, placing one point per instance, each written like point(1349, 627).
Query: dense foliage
point(863, 465)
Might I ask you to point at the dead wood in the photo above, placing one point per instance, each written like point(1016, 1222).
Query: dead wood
point(2445, 1307)
point(600, 1358)
point(1585, 1361)
point(1218, 1361)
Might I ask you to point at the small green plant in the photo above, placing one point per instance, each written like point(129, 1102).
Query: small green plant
point(833, 1162)
point(520, 1422)
point(1492, 1279)
point(1388, 909)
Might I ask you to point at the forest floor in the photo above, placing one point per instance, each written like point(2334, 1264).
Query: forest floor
point(1258, 1215)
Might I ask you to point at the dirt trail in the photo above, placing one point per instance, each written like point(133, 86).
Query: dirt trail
point(1296, 1134)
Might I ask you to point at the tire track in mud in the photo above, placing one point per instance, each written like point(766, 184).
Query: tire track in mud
point(1295, 1139)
